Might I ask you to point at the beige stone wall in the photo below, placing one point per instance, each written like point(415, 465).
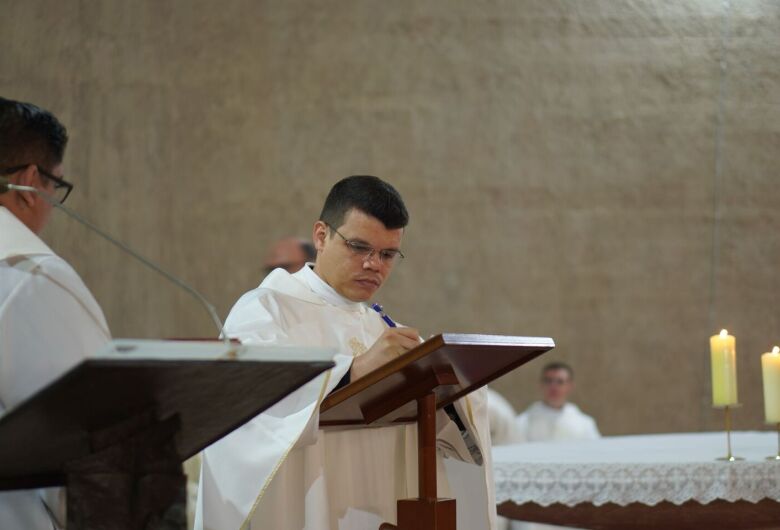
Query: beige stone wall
point(558, 159)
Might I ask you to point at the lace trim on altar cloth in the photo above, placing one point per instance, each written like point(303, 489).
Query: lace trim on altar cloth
point(623, 484)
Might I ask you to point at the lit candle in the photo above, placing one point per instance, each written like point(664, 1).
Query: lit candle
point(723, 357)
point(770, 369)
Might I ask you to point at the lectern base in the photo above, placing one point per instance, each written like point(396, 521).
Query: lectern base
point(132, 480)
point(121, 502)
point(424, 514)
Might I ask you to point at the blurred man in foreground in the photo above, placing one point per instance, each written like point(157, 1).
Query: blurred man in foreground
point(49, 321)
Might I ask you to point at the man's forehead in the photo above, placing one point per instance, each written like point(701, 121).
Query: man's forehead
point(361, 221)
point(556, 371)
point(356, 215)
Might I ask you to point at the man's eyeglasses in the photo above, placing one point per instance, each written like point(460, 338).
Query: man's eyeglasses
point(62, 188)
point(387, 256)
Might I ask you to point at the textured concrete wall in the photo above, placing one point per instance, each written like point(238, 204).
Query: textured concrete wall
point(558, 158)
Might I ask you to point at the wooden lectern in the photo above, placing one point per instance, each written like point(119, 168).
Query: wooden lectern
point(411, 388)
point(197, 391)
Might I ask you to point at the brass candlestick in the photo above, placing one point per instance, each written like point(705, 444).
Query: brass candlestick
point(729, 457)
point(777, 456)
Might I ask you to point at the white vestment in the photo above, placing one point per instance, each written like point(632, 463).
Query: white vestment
point(542, 423)
point(279, 472)
point(503, 431)
point(503, 427)
point(49, 321)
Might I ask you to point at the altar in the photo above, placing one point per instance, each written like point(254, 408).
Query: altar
point(647, 481)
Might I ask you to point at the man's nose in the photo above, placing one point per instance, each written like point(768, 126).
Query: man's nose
point(372, 261)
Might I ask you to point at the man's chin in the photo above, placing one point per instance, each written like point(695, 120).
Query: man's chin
point(362, 293)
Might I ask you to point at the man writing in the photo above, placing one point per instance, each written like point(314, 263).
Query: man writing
point(48, 318)
point(277, 472)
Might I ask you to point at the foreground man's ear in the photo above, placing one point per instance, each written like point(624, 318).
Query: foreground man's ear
point(27, 177)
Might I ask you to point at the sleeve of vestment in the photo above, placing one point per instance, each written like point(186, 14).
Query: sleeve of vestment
point(592, 431)
point(48, 324)
point(522, 428)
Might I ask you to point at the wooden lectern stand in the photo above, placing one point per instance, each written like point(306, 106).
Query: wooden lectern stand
point(196, 391)
point(411, 389)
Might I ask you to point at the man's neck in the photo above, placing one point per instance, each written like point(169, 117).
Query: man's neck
point(323, 289)
point(24, 219)
point(17, 238)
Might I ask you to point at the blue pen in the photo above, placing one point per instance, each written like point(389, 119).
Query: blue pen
point(389, 321)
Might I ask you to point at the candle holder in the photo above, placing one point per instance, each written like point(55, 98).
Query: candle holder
point(777, 456)
point(729, 456)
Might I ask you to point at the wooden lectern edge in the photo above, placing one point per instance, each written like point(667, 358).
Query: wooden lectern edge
point(411, 419)
point(385, 405)
point(425, 348)
point(57, 479)
point(49, 480)
point(382, 372)
point(471, 339)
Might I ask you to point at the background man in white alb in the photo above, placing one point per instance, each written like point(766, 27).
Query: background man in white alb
point(554, 418)
point(503, 425)
point(279, 472)
point(49, 320)
point(290, 254)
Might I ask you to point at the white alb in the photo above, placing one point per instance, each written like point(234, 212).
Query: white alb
point(279, 471)
point(541, 423)
point(49, 321)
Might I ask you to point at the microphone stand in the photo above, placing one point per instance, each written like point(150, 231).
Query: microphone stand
point(6, 185)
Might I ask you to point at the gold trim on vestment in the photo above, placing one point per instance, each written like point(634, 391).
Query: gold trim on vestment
point(245, 524)
point(470, 411)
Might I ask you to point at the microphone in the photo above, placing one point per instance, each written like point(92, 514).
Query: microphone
point(6, 185)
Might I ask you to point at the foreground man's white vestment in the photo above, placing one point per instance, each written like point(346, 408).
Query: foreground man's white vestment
point(49, 322)
point(280, 472)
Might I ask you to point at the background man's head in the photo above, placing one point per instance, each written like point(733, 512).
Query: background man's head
point(557, 384)
point(32, 146)
point(358, 236)
point(290, 254)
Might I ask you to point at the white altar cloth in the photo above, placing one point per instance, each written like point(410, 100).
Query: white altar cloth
point(645, 469)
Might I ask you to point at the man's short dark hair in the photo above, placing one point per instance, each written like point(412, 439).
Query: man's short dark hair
point(558, 365)
point(370, 195)
point(30, 135)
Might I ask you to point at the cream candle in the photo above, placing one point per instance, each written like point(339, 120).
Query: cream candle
point(723, 360)
point(770, 370)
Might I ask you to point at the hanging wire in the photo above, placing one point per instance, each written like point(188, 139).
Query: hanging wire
point(717, 183)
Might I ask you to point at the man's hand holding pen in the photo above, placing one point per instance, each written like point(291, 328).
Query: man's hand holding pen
point(392, 343)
